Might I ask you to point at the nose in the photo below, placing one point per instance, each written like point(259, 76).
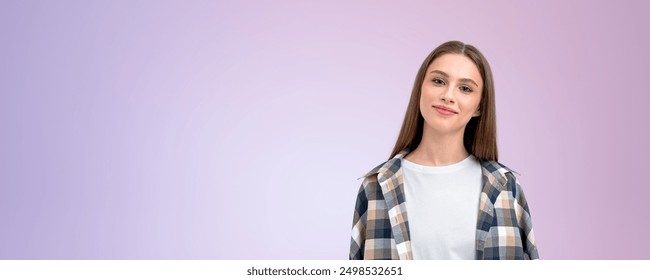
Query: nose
point(447, 95)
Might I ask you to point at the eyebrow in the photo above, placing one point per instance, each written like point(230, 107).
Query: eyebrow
point(466, 80)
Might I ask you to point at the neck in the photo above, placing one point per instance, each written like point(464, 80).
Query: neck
point(437, 149)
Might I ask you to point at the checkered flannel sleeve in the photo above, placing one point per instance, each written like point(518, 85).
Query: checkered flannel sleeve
point(524, 220)
point(510, 233)
point(359, 225)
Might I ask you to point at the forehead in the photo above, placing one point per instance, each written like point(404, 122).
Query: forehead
point(457, 66)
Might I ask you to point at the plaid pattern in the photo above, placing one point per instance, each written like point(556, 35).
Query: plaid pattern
point(380, 228)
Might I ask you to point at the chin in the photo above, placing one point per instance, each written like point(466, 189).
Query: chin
point(443, 127)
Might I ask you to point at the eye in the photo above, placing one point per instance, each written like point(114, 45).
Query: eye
point(438, 81)
point(465, 89)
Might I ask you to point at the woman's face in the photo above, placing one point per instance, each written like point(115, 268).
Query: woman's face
point(451, 93)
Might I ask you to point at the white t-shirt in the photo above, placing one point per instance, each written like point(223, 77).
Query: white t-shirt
point(442, 205)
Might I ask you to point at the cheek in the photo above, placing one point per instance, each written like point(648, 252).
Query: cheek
point(470, 101)
point(425, 101)
point(427, 96)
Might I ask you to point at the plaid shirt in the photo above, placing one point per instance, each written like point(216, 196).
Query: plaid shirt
point(381, 230)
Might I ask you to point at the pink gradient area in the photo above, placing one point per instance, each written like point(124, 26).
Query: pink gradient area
point(237, 130)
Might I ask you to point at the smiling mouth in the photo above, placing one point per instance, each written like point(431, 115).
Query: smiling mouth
point(445, 110)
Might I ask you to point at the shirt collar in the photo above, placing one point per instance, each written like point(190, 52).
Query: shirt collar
point(389, 167)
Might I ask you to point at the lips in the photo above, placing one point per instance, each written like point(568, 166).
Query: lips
point(445, 109)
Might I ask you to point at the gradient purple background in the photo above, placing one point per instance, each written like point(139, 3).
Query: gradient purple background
point(206, 130)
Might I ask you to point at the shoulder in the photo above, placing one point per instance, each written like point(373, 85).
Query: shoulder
point(373, 171)
point(386, 168)
point(370, 183)
point(505, 176)
point(496, 168)
point(498, 172)
point(370, 187)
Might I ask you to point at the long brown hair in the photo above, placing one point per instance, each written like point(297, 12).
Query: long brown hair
point(480, 138)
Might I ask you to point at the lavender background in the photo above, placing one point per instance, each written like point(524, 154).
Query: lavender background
point(236, 130)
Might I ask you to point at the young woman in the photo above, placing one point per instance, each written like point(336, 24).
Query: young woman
point(443, 172)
